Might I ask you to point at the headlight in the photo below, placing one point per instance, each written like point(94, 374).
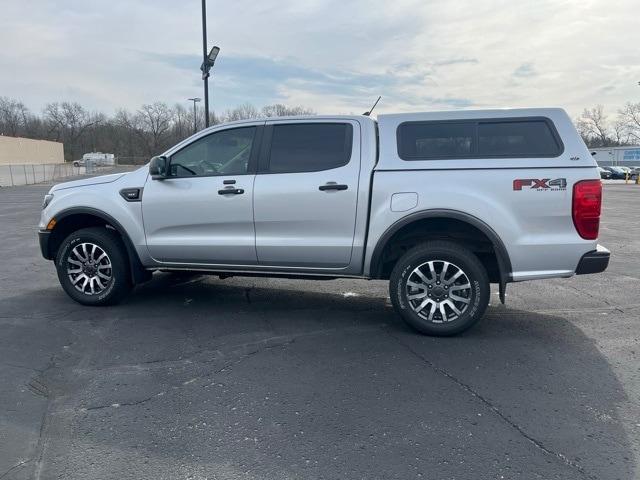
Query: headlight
point(47, 200)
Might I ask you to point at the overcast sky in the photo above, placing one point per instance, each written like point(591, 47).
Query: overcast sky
point(332, 56)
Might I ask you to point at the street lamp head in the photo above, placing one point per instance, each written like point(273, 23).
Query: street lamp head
point(196, 99)
point(213, 53)
point(208, 62)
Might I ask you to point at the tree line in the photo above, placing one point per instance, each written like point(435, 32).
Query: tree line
point(598, 130)
point(135, 134)
point(156, 126)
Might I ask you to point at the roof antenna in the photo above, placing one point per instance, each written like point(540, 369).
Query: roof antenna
point(368, 114)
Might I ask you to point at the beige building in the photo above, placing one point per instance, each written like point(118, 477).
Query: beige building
point(16, 151)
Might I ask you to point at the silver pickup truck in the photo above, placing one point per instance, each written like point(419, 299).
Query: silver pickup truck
point(441, 204)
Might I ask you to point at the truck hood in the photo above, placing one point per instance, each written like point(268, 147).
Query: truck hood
point(85, 182)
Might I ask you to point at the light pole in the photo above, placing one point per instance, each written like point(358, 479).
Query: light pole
point(207, 62)
point(195, 117)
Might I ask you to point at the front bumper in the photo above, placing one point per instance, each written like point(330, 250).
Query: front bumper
point(595, 261)
point(43, 238)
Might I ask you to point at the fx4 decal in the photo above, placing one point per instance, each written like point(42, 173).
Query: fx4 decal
point(544, 184)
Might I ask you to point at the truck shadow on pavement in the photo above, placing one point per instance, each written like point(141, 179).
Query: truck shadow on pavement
point(202, 377)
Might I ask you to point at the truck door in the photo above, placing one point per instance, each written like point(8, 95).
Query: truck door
point(203, 212)
point(306, 192)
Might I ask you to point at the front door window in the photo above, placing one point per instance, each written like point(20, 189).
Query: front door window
point(221, 153)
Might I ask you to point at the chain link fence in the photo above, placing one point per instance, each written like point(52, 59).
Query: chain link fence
point(32, 174)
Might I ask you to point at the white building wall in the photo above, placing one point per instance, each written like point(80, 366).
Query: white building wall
point(627, 156)
point(21, 151)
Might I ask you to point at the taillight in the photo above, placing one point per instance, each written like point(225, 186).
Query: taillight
point(587, 200)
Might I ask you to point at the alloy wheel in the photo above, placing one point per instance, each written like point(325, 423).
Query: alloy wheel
point(438, 291)
point(89, 268)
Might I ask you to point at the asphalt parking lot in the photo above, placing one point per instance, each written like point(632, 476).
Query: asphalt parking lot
point(196, 377)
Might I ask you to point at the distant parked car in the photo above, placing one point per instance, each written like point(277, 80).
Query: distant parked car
point(626, 170)
point(78, 163)
point(616, 173)
point(99, 159)
point(604, 174)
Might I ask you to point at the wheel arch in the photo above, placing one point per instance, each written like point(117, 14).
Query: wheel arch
point(74, 218)
point(501, 253)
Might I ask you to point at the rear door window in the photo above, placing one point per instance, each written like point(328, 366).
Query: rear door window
point(310, 147)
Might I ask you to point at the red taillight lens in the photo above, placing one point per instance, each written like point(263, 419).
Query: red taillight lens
point(587, 200)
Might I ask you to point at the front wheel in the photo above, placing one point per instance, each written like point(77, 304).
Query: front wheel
point(439, 288)
point(93, 268)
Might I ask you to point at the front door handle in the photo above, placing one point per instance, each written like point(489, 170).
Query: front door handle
point(332, 186)
point(230, 191)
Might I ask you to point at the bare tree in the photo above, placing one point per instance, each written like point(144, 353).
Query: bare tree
point(248, 111)
point(593, 127)
point(128, 136)
point(280, 110)
point(14, 116)
point(620, 132)
point(243, 112)
point(182, 121)
point(155, 120)
point(68, 122)
point(630, 118)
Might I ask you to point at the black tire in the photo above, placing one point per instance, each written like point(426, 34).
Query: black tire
point(439, 252)
point(110, 242)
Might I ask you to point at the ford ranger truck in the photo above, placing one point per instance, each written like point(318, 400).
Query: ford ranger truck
point(441, 204)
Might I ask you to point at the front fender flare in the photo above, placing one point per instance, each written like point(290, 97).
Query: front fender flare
point(138, 273)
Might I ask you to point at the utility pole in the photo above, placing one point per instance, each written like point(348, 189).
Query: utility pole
point(207, 62)
point(195, 116)
point(205, 73)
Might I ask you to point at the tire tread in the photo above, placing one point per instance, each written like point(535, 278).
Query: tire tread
point(112, 243)
point(472, 267)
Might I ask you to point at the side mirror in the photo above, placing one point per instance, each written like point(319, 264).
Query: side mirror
point(158, 168)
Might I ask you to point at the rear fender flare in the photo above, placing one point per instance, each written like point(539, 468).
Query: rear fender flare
point(502, 255)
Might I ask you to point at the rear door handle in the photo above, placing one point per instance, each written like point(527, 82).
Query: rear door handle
point(230, 191)
point(332, 186)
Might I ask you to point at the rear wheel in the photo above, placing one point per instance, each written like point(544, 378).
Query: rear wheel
point(93, 268)
point(439, 288)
